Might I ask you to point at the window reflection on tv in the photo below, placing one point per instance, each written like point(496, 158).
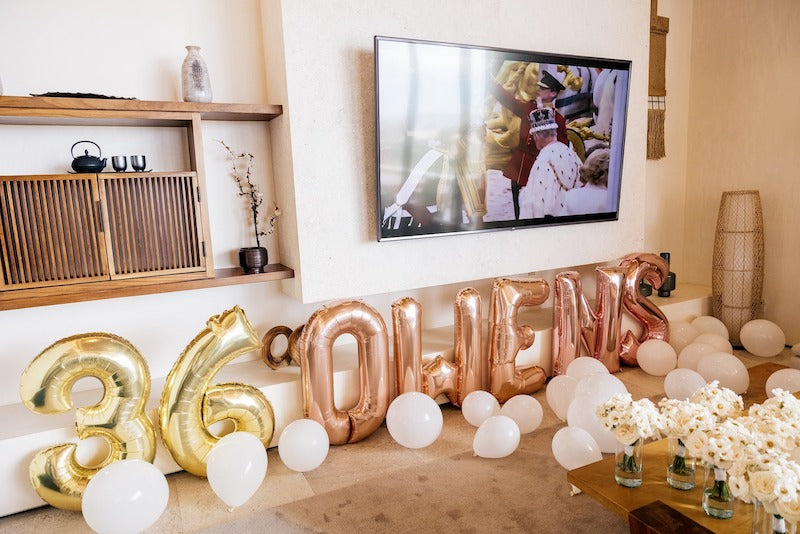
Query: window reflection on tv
point(474, 138)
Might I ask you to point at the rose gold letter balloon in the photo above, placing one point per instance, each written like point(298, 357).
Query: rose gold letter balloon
point(654, 269)
point(118, 417)
point(316, 344)
point(574, 321)
point(507, 338)
point(190, 404)
point(407, 328)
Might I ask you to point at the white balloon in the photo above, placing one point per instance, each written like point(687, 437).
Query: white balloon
point(692, 353)
point(718, 342)
point(796, 349)
point(681, 334)
point(581, 414)
point(762, 338)
point(785, 379)
point(560, 391)
point(707, 324)
point(236, 467)
point(478, 406)
point(680, 383)
point(656, 357)
point(585, 365)
point(303, 445)
point(126, 496)
point(414, 420)
point(600, 387)
point(497, 437)
point(574, 447)
point(525, 411)
point(726, 368)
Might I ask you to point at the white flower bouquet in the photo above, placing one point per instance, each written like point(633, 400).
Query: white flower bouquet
point(721, 401)
point(628, 419)
point(679, 418)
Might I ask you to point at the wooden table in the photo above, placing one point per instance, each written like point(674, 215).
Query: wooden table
point(597, 479)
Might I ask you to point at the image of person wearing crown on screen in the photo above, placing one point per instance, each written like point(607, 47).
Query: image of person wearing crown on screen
point(555, 171)
point(522, 103)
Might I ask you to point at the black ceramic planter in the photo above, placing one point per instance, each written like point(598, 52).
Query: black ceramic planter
point(253, 259)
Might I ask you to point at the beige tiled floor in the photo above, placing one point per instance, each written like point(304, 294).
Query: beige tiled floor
point(378, 486)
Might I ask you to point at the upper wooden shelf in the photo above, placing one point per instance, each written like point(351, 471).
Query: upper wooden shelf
point(56, 110)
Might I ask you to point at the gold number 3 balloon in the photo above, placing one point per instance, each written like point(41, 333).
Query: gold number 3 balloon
point(189, 405)
point(119, 417)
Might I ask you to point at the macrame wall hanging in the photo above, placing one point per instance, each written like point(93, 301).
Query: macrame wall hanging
point(656, 102)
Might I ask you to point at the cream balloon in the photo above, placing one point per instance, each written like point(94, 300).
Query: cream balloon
point(574, 447)
point(707, 324)
point(414, 420)
point(681, 334)
point(796, 349)
point(559, 394)
point(303, 445)
point(525, 411)
point(478, 406)
point(692, 353)
point(785, 379)
point(762, 338)
point(726, 368)
point(718, 342)
point(656, 357)
point(126, 496)
point(236, 467)
point(585, 365)
point(681, 383)
point(497, 437)
point(581, 414)
point(600, 387)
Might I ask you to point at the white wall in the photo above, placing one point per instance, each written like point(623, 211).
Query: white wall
point(328, 71)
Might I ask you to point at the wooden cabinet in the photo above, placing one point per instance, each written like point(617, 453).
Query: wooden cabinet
point(77, 237)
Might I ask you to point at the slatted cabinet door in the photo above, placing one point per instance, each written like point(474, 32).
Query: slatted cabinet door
point(50, 231)
point(154, 224)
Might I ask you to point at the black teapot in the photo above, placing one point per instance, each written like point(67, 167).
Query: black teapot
point(87, 163)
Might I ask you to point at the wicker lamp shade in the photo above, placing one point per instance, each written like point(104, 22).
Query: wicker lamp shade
point(737, 277)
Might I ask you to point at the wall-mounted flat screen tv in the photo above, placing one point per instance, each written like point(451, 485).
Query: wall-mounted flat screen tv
point(472, 138)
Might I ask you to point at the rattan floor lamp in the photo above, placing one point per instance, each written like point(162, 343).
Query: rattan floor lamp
point(737, 276)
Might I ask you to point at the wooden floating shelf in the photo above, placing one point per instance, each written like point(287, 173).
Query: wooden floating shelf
point(30, 298)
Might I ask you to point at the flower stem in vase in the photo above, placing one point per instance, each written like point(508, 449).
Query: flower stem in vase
point(680, 471)
point(717, 496)
point(628, 464)
point(768, 522)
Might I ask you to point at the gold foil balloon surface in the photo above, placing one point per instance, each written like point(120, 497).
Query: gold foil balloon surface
point(119, 417)
point(190, 404)
point(654, 269)
point(316, 342)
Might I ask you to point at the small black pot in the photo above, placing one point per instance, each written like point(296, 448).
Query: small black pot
point(253, 259)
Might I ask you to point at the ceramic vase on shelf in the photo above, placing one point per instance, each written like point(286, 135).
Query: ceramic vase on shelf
point(680, 470)
point(628, 464)
point(717, 496)
point(766, 520)
point(253, 259)
point(195, 82)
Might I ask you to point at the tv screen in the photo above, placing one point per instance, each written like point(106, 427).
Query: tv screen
point(474, 138)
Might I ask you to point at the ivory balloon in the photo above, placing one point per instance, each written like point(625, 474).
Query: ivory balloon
point(681, 383)
point(574, 447)
point(126, 496)
point(692, 353)
point(497, 437)
point(707, 324)
point(785, 379)
point(718, 342)
point(236, 467)
point(762, 338)
point(600, 387)
point(478, 406)
point(581, 414)
point(726, 368)
point(681, 334)
point(303, 445)
point(414, 420)
point(559, 394)
point(585, 365)
point(525, 411)
point(656, 357)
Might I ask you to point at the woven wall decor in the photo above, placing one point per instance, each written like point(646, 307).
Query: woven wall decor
point(657, 86)
point(737, 275)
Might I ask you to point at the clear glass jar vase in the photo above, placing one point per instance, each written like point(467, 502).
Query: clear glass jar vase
point(680, 469)
point(628, 464)
point(767, 520)
point(717, 496)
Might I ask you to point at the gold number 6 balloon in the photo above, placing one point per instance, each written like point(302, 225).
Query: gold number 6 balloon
point(189, 405)
point(119, 417)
